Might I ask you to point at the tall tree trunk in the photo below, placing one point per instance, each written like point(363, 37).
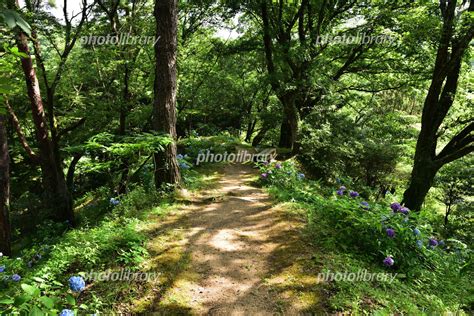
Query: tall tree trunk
point(439, 100)
point(56, 195)
point(289, 126)
point(5, 231)
point(164, 111)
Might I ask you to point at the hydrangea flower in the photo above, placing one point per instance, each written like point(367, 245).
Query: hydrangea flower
point(388, 261)
point(114, 201)
point(301, 176)
point(179, 156)
point(183, 165)
point(353, 194)
point(2, 269)
point(339, 192)
point(417, 232)
point(343, 188)
point(264, 175)
point(16, 277)
point(77, 284)
point(404, 210)
point(441, 243)
point(66, 312)
point(433, 242)
point(395, 206)
point(419, 244)
point(278, 166)
point(390, 232)
point(365, 205)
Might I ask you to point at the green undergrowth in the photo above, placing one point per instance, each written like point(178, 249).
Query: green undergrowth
point(110, 238)
point(351, 237)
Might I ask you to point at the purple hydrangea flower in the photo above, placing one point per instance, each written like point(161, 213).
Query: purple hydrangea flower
point(395, 206)
point(2, 269)
point(77, 284)
point(264, 175)
point(404, 210)
point(419, 244)
point(433, 242)
point(390, 232)
point(365, 205)
point(339, 192)
point(278, 166)
point(66, 312)
point(417, 232)
point(16, 277)
point(388, 261)
point(353, 194)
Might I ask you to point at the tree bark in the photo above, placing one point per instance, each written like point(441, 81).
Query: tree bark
point(164, 111)
point(5, 230)
point(439, 100)
point(56, 195)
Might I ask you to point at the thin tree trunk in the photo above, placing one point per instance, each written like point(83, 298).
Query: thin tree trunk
point(5, 231)
point(56, 194)
point(164, 114)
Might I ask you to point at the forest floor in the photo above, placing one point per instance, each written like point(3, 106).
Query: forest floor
point(231, 250)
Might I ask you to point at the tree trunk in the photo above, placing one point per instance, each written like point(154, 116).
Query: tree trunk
point(289, 126)
point(5, 231)
point(164, 111)
point(56, 195)
point(421, 181)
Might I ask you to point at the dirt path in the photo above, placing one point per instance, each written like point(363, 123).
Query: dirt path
point(231, 251)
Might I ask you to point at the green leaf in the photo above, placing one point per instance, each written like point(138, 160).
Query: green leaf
point(7, 301)
point(70, 299)
point(48, 302)
point(20, 300)
point(31, 290)
point(35, 311)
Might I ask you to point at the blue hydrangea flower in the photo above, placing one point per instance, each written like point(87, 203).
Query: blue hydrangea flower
point(353, 194)
point(419, 244)
point(404, 210)
point(388, 261)
point(183, 165)
point(16, 277)
point(179, 156)
point(433, 242)
point(365, 205)
point(417, 232)
point(390, 232)
point(66, 312)
point(395, 206)
point(301, 176)
point(339, 192)
point(114, 201)
point(2, 269)
point(77, 284)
